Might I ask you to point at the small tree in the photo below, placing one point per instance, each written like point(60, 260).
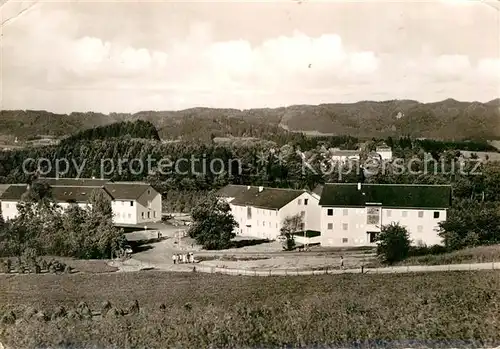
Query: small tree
point(393, 243)
point(291, 225)
point(214, 224)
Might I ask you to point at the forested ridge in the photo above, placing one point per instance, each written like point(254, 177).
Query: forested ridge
point(448, 119)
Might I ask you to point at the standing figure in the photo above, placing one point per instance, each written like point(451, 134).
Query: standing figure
point(342, 262)
point(184, 258)
point(174, 258)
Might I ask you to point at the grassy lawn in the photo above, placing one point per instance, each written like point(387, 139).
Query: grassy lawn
point(207, 310)
point(481, 254)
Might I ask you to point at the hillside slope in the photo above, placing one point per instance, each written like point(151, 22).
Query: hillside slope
point(448, 119)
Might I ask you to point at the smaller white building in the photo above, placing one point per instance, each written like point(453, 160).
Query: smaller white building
point(260, 211)
point(384, 152)
point(132, 202)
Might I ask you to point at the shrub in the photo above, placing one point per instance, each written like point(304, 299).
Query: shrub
point(393, 243)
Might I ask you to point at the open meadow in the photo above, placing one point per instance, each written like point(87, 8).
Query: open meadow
point(192, 310)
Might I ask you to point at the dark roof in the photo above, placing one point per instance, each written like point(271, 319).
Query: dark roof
point(388, 195)
point(126, 190)
point(269, 198)
point(231, 190)
point(81, 182)
point(75, 193)
point(14, 192)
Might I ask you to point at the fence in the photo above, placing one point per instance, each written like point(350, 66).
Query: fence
point(387, 270)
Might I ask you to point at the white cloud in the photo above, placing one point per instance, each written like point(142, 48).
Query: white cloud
point(43, 62)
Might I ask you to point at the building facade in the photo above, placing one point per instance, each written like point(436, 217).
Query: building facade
point(260, 211)
point(131, 202)
point(353, 214)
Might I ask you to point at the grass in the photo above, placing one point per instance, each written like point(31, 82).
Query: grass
point(206, 310)
point(480, 254)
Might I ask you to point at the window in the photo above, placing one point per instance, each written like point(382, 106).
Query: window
point(389, 213)
point(404, 213)
point(345, 226)
point(345, 212)
point(372, 215)
point(131, 203)
point(7, 205)
point(306, 201)
point(276, 213)
point(302, 214)
point(154, 214)
point(330, 226)
point(300, 201)
point(263, 223)
point(142, 215)
point(249, 212)
point(149, 214)
point(420, 214)
point(436, 214)
point(329, 212)
point(345, 240)
point(420, 228)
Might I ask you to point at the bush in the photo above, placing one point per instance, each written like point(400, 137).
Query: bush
point(423, 250)
point(393, 243)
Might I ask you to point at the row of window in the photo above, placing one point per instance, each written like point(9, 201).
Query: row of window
point(345, 212)
point(306, 201)
point(345, 226)
point(149, 214)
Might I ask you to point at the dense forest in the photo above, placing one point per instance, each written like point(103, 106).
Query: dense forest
point(448, 119)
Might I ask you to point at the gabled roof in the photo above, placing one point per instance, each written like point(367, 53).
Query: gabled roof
point(231, 190)
point(126, 190)
point(76, 194)
point(82, 182)
point(269, 198)
point(387, 195)
point(14, 192)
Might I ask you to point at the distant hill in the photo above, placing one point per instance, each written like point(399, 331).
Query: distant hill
point(448, 119)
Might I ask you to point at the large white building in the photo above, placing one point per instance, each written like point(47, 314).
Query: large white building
point(353, 214)
point(345, 214)
point(132, 202)
point(260, 211)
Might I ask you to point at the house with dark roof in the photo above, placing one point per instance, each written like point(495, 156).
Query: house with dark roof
point(353, 214)
point(260, 211)
point(132, 202)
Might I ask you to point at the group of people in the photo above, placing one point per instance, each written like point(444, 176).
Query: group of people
point(183, 258)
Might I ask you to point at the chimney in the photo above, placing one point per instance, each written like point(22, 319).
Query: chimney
point(359, 186)
point(261, 189)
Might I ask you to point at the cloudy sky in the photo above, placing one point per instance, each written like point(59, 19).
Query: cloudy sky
point(122, 56)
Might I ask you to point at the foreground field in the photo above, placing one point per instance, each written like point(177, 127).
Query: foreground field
point(202, 310)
